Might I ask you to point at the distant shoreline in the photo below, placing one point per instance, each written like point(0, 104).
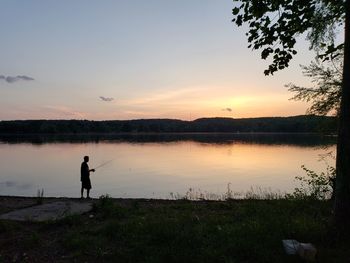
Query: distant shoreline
point(270, 138)
point(294, 124)
point(169, 133)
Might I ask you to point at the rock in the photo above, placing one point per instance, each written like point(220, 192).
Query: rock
point(49, 211)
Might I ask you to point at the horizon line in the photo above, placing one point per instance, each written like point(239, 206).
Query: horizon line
point(291, 116)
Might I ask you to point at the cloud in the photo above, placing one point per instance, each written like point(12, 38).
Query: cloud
point(12, 79)
point(169, 97)
point(227, 109)
point(106, 99)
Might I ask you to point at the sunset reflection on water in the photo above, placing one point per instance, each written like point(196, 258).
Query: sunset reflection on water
point(154, 169)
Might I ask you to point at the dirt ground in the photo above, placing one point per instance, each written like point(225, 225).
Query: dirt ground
point(10, 203)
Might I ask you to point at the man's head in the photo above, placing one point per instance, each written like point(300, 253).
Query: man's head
point(86, 158)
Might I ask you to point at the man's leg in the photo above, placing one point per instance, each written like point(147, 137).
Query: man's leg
point(82, 192)
point(88, 193)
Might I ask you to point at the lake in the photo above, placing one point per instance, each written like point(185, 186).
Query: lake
point(159, 165)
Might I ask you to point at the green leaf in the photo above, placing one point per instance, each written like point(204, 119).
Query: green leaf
point(235, 11)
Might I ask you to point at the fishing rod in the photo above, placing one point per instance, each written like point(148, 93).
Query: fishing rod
point(103, 164)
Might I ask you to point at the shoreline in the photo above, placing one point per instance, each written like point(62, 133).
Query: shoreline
point(11, 203)
point(154, 230)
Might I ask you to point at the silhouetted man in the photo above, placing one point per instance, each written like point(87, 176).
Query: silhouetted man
point(85, 177)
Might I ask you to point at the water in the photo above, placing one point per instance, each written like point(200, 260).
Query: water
point(154, 166)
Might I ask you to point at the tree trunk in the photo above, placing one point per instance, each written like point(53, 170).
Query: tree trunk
point(342, 198)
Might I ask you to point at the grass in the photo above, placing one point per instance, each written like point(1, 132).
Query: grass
point(180, 231)
point(40, 196)
point(258, 193)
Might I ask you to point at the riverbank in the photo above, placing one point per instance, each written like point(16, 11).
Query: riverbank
point(146, 230)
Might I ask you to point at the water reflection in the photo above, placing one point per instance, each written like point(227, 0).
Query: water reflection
point(17, 185)
point(306, 140)
point(153, 165)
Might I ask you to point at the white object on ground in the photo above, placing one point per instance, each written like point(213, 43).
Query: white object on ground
point(306, 251)
point(290, 246)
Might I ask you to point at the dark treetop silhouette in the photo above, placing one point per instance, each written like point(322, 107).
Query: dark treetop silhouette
point(297, 124)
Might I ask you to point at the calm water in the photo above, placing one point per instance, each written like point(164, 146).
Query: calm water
point(153, 166)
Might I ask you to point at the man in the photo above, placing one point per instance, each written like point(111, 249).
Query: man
point(85, 177)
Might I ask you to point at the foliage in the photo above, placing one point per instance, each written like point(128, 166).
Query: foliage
point(274, 26)
point(326, 94)
point(314, 185)
point(267, 124)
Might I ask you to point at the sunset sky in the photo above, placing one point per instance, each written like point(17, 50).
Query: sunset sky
point(104, 60)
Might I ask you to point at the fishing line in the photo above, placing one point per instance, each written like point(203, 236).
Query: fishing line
point(103, 164)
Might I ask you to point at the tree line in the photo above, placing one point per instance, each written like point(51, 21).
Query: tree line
point(295, 124)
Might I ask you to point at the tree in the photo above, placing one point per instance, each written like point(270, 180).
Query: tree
point(325, 95)
point(274, 26)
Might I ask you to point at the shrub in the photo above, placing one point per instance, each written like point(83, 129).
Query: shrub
point(315, 186)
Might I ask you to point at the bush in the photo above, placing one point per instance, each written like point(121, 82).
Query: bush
point(314, 185)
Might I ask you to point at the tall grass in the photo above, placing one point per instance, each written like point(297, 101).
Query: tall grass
point(254, 193)
point(40, 196)
point(312, 185)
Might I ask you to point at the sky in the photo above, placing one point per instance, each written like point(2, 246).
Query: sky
point(108, 60)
